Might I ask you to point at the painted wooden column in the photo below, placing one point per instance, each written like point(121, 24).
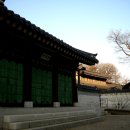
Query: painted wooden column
point(74, 88)
point(56, 102)
point(78, 77)
point(27, 87)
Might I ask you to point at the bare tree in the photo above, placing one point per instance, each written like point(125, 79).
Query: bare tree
point(122, 43)
point(124, 80)
point(109, 70)
point(91, 68)
point(120, 100)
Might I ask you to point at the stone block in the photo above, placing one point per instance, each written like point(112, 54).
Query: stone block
point(56, 104)
point(18, 125)
point(28, 104)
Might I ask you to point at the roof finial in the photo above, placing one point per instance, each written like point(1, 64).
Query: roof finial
point(2, 2)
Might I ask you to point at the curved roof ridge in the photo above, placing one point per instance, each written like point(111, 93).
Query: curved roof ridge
point(81, 55)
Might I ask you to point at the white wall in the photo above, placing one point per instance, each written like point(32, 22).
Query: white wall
point(89, 100)
point(116, 100)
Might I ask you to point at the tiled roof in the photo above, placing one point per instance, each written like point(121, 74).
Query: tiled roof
point(88, 88)
point(94, 74)
point(126, 86)
point(26, 28)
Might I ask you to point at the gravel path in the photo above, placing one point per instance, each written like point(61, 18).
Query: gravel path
point(111, 122)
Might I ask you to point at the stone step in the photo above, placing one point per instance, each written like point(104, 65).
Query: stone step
point(15, 122)
point(30, 117)
point(20, 111)
point(46, 122)
point(68, 125)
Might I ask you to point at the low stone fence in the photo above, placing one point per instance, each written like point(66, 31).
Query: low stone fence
point(118, 100)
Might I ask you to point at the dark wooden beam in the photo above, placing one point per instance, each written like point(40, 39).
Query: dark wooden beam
point(27, 76)
point(55, 79)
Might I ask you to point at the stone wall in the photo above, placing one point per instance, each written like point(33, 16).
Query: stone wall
point(120, 100)
point(90, 100)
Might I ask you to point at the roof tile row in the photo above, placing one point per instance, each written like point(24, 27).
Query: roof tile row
point(21, 24)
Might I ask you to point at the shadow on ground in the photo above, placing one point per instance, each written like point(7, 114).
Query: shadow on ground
point(110, 122)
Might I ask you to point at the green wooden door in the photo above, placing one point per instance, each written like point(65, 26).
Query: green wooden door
point(65, 89)
point(41, 87)
point(11, 82)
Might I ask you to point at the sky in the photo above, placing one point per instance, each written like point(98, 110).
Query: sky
point(83, 24)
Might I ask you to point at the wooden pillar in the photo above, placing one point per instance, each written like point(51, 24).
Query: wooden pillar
point(27, 83)
point(74, 88)
point(56, 102)
point(78, 77)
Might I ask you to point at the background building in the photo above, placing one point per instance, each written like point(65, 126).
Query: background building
point(94, 80)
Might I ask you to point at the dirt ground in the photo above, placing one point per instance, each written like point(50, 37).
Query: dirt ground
point(110, 122)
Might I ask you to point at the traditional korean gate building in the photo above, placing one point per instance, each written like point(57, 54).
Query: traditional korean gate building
point(36, 67)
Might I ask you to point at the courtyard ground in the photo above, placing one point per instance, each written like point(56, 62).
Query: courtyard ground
point(110, 122)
